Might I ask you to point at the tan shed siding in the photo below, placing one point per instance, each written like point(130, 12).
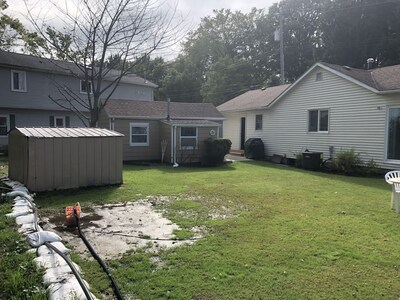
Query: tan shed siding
point(357, 119)
point(18, 157)
point(231, 128)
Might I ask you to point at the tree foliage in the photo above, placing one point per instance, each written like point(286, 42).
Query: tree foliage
point(13, 34)
point(228, 46)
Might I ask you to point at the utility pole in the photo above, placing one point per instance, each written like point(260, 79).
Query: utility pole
point(281, 55)
point(279, 37)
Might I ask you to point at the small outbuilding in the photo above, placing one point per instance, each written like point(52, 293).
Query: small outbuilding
point(46, 159)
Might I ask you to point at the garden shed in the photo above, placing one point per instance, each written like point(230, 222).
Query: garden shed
point(46, 159)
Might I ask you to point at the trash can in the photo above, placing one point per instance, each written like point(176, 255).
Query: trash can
point(312, 160)
point(254, 148)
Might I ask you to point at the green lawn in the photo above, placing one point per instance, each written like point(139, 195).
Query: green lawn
point(290, 234)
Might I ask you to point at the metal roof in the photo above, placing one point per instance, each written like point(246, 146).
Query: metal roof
point(47, 132)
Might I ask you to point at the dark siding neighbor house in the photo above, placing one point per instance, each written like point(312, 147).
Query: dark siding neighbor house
point(46, 159)
point(147, 125)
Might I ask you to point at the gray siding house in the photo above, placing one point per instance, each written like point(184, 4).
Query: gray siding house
point(147, 125)
point(28, 81)
point(328, 109)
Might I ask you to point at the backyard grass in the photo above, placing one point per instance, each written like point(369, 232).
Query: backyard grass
point(272, 232)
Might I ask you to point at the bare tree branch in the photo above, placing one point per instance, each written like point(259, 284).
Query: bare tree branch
point(94, 30)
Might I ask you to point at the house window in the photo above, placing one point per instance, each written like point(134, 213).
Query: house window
point(139, 133)
point(188, 137)
point(259, 121)
point(318, 120)
point(318, 76)
point(393, 134)
point(4, 125)
point(85, 87)
point(18, 81)
point(59, 121)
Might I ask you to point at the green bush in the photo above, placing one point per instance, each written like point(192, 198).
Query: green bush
point(347, 162)
point(299, 159)
point(215, 151)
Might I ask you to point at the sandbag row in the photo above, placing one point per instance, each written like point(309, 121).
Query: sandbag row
point(58, 279)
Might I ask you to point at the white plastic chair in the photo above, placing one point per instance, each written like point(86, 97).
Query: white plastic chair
point(390, 178)
point(396, 192)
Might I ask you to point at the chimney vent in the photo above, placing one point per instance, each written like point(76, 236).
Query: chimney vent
point(370, 63)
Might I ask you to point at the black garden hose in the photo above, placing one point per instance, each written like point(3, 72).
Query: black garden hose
point(117, 292)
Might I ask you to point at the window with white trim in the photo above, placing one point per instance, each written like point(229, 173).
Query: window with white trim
point(318, 76)
point(188, 138)
point(4, 125)
point(139, 134)
point(259, 121)
point(85, 87)
point(18, 81)
point(318, 120)
point(59, 122)
point(393, 134)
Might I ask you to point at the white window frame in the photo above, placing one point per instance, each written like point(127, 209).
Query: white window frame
point(7, 124)
point(319, 76)
point(261, 124)
point(90, 87)
point(188, 137)
point(20, 73)
point(319, 120)
point(146, 125)
point(389, 160)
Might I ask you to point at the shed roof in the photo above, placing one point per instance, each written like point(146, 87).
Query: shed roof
point(44, 132)
point(159, 110)
point(18, 60)
point(255, 99)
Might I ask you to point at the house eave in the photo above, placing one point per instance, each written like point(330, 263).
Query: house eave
point(164, 117)
point(243, 110)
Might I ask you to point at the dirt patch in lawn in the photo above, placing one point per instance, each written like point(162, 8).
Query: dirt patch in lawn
point(115, 229)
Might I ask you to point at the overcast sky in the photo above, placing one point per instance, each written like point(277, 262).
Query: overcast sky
point(192, 10)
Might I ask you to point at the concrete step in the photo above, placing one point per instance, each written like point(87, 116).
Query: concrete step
point(237, 152)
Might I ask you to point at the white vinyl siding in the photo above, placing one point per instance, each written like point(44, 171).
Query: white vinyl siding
point(18, 81)
point(357, 119)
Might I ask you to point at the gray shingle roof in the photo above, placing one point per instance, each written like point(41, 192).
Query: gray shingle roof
point(381, 79)
point(41, 64)
point(159, 110)
point(255, 99)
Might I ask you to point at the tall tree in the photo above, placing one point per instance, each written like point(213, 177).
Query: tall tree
point(93, 30)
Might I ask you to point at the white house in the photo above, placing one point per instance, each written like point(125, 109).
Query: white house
point(328, 109)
